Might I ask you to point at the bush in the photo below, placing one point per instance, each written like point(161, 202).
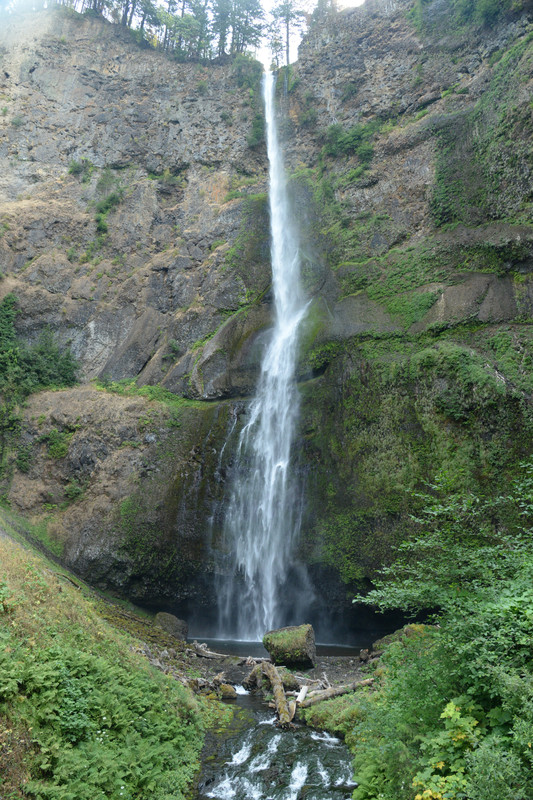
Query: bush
point(96, 720)
point(103, 208)
point(454, 713)
point(57, 441)
point(248, 72)
point(29, 368)
point(257, 134)
point(81, 169)
point(354, 141)
point(24, 458)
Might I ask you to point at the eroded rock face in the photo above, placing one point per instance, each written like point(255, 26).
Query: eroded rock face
point(139, 293)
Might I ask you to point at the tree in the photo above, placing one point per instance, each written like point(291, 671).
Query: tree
point(25, 369)
point(288, 17)
point(247, 25)
point(221, 23)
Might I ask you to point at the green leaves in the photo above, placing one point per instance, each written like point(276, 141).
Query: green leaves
point(100, 729)
point(458, 697)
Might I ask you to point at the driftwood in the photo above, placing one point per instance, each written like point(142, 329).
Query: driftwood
point(202, 651)
point(253, 680)
point(301, 694)
point(250, 661)
point(292, 710)
point(334, 691)
point(282, 707)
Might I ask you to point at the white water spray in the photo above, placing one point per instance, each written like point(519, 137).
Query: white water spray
point(262, 521)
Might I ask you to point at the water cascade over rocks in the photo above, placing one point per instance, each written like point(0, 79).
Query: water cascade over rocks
point(266, 764)
point(263, 519)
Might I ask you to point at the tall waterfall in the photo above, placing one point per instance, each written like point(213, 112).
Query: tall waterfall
point(263, 518)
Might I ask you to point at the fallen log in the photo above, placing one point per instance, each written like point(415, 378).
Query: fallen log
point(249, 661)
point(301, 695)
point(292, 710)
point(202, 651)
point(254, 678)
point(282, 707)
point(334, 691)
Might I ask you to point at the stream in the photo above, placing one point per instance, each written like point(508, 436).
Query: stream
point(256, 760)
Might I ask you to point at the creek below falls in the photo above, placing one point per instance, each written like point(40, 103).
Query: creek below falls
point(253, 759)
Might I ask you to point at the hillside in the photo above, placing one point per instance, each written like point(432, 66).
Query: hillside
point(82, 714)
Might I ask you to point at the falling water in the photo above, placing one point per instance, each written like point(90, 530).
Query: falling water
point(262, 520)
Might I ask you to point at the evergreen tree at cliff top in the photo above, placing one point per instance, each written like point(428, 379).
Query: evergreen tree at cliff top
point(185, 29)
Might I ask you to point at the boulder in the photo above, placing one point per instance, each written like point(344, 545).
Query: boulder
point(227, 692)
point(293, 646)
point(171, 624)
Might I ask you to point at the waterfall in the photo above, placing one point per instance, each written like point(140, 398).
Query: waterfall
point(263, 518)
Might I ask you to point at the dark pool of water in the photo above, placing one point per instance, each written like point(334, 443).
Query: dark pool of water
point(236, 647)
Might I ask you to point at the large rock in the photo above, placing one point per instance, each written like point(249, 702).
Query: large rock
point(171, 624)
point(293, 646)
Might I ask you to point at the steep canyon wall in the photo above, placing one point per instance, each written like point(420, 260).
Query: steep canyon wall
point(409, 145)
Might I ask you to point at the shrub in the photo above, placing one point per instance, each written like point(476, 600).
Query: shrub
point(97, 720)
point(24, 458)
point(453, 715)
point(57, 441)
point(248, 72)
point(82, 168)
point(257, 134)
point(103, 208)
point(354, 141)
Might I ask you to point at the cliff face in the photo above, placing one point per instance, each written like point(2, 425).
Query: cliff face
point(168, 147)
point(410, 154)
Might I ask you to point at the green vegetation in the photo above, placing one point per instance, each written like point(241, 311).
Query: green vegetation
point(453, 714)
point(57, 441)
point(482, 153)
point(128, 386)
point(25, 369)
point(82, 169)
point(354, 141)
point(251, 245)
point(194, 33)
point(248, 72)
point(408, 407)
point(257, 134)
point(82, 715)
point(28, 368)
point(103, 208)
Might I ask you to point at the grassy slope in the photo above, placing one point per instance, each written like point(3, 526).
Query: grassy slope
point(82, 716)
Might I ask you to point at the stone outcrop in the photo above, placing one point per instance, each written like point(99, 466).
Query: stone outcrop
point(177, 628)
point(141, 298)
point(293, 646)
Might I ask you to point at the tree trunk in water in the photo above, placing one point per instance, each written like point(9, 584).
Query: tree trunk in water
point(282, 707)
point(334, 691)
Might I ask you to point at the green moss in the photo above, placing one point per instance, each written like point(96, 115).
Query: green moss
point(337, 715)
point(251, 246)
point(393, 411)
point(484, 152)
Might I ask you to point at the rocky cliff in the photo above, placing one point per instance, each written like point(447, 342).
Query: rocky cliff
point(134, 225)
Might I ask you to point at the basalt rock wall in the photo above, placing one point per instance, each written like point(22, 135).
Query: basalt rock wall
point(408, 142)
